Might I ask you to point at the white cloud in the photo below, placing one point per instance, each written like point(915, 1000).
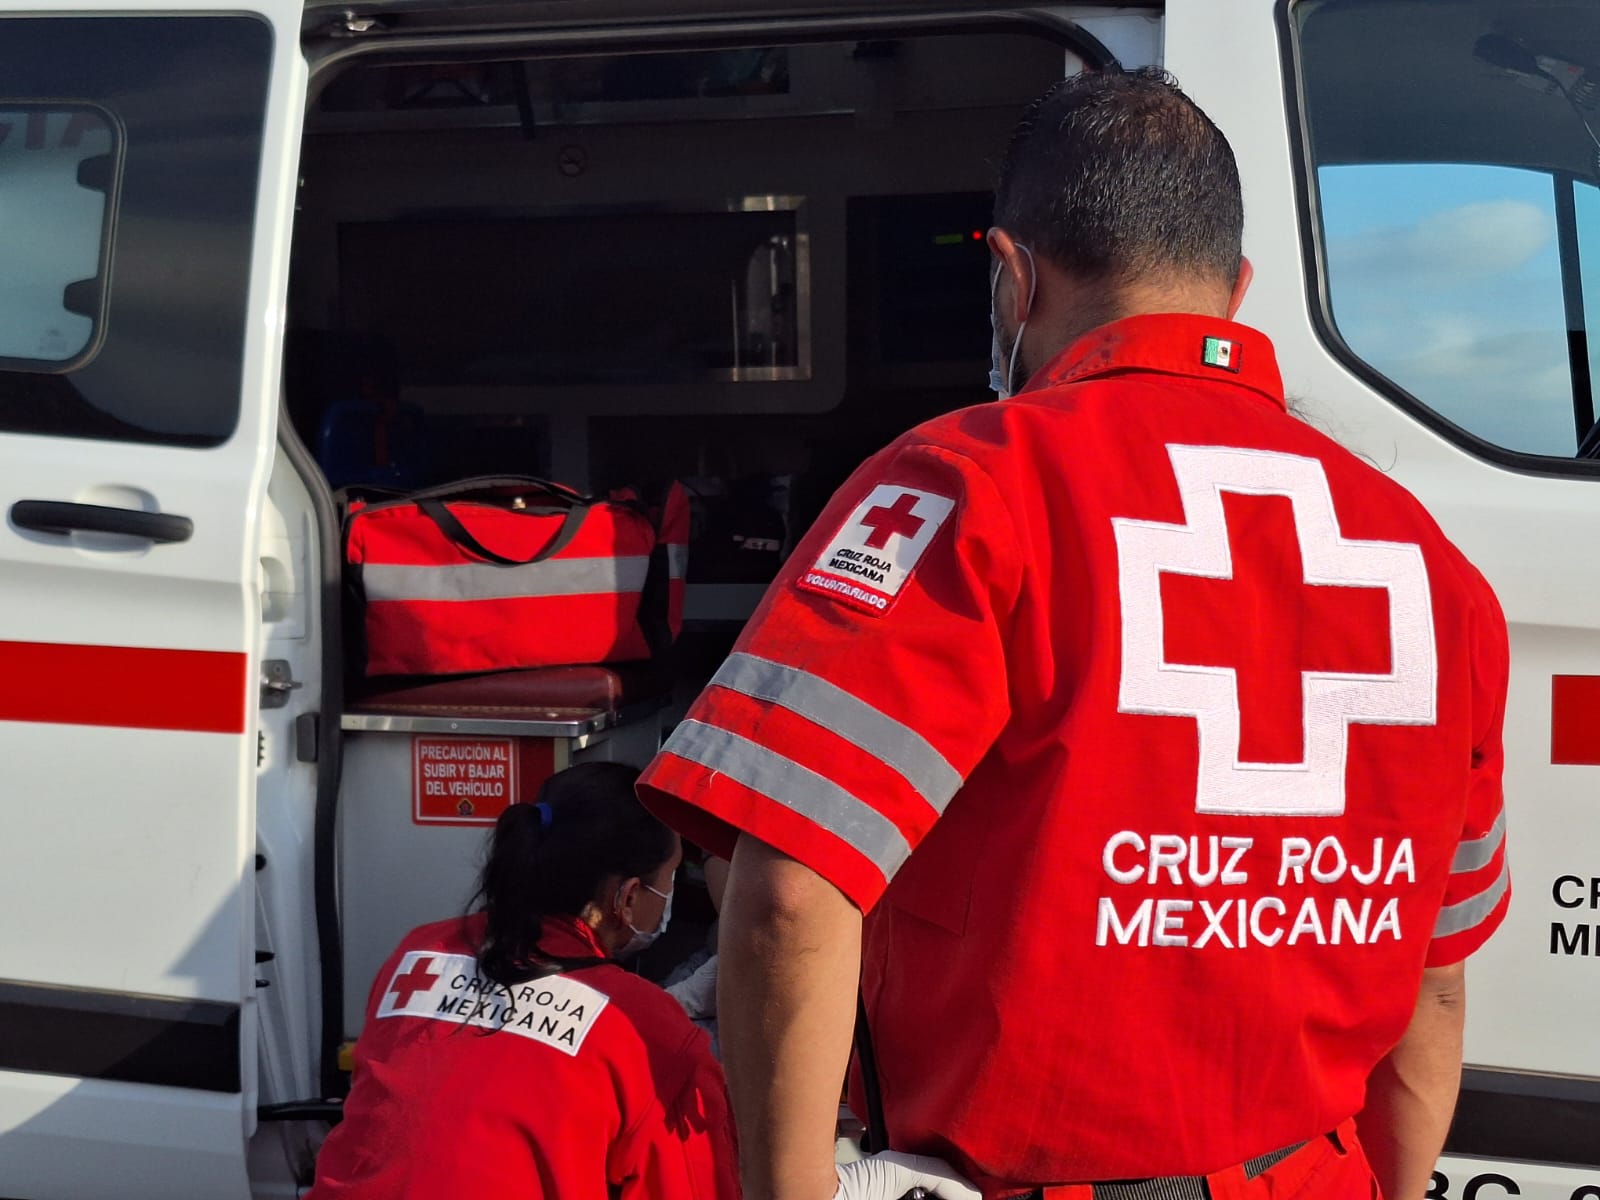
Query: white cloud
point(1512, 388)
point(1470, 242)
point(1518, 358)
point(1463, 308)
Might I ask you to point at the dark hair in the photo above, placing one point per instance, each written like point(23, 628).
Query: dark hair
point(1120, 175)
point(552, 858)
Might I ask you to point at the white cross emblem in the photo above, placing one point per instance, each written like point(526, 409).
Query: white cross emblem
point(1332, 700)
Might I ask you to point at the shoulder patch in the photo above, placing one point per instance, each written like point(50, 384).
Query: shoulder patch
point(556, 1010)
point(878, 547)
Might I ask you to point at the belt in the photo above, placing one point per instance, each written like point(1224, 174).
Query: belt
point(1177, 1187)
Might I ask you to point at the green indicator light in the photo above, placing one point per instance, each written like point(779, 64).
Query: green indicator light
point(948, 239)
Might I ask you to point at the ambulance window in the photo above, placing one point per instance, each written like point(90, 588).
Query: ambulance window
point(1447, 279)
point(1452, 151)
point(129, 155)
point(58, 165)
point(1586, 213)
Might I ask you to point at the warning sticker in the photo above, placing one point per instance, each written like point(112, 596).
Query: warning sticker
point(554, 1010)
point(462, 781)
point(873, 554)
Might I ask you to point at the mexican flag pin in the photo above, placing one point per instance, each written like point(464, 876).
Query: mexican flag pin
point(1221, 353)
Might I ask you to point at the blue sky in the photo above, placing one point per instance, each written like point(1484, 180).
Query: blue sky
point(1447, 279)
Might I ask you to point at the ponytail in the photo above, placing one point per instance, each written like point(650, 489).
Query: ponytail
point(550, 859)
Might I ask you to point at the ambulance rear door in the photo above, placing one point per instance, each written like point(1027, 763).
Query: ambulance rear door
point(146, 185)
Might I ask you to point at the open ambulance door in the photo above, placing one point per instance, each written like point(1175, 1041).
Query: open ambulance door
point(1422, 196)
point(146, 182)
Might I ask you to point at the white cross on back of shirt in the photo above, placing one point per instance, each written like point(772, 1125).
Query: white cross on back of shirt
point(1332, 700)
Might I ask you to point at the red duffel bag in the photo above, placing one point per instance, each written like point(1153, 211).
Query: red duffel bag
point(501, 572)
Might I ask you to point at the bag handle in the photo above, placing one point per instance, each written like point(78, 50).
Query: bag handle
point(465, 488)
point(655, 601)
point(655, 597)
point(450, 525)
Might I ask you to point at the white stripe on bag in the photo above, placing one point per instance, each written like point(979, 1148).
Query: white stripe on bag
point(487, 581)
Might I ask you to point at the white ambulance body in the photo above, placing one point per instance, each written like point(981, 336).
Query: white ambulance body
point(210, 837)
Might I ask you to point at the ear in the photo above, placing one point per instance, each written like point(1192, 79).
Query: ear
point(623, 899)
point(1018, 267)
point(1241, 285)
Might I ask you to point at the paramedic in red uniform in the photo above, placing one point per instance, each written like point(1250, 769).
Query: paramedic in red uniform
point(507, 1054)
point(1157, 736)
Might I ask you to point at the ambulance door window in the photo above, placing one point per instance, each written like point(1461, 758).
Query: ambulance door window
point(1447, 145)
point(130, 151)
point(1447, 279)
point(1586, 220)
point(57, 166)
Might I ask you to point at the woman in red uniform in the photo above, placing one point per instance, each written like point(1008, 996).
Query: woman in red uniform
point(506, 1052)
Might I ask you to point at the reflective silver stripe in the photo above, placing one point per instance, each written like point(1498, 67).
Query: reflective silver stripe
point(486, 581)
point(1458, 918)
point(800, 789)
point(1479, 853)
point(677, 561)
point(857, 722)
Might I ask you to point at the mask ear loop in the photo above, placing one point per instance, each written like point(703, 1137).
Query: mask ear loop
point(997, 383)
point(1016, 346)
point(617, 900)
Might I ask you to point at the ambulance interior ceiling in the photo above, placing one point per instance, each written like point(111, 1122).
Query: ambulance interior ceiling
point(735, 265)
point(1449, 82)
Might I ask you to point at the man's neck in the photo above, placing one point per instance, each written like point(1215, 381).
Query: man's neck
point(1084, 307)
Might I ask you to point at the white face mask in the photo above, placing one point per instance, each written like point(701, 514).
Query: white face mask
point(1002, 367)
point(640, 938)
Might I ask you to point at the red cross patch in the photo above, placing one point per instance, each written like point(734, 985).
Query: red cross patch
point(1260, 620)
point(877, 548)
point(414, 975)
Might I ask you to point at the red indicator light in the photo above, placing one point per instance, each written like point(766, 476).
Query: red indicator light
point(977, 235)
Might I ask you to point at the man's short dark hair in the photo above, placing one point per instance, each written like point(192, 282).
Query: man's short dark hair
point(1120, 175)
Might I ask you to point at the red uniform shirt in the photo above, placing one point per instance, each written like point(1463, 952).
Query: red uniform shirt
point(1159, 735)
point(593, 1086)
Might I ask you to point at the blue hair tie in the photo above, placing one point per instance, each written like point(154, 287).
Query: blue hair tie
point(544, 814)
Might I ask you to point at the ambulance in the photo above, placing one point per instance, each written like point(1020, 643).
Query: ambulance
point(254, 253)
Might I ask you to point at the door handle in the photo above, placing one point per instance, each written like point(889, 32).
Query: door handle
point(64, 517)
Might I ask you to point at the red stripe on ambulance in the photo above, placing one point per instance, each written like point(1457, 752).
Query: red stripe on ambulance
point(1575, 720)
point(201, 691)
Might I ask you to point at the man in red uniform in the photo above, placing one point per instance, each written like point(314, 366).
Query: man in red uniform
point(1158, 736)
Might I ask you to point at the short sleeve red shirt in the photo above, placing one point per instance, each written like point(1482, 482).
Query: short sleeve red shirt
point(1160, 738)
